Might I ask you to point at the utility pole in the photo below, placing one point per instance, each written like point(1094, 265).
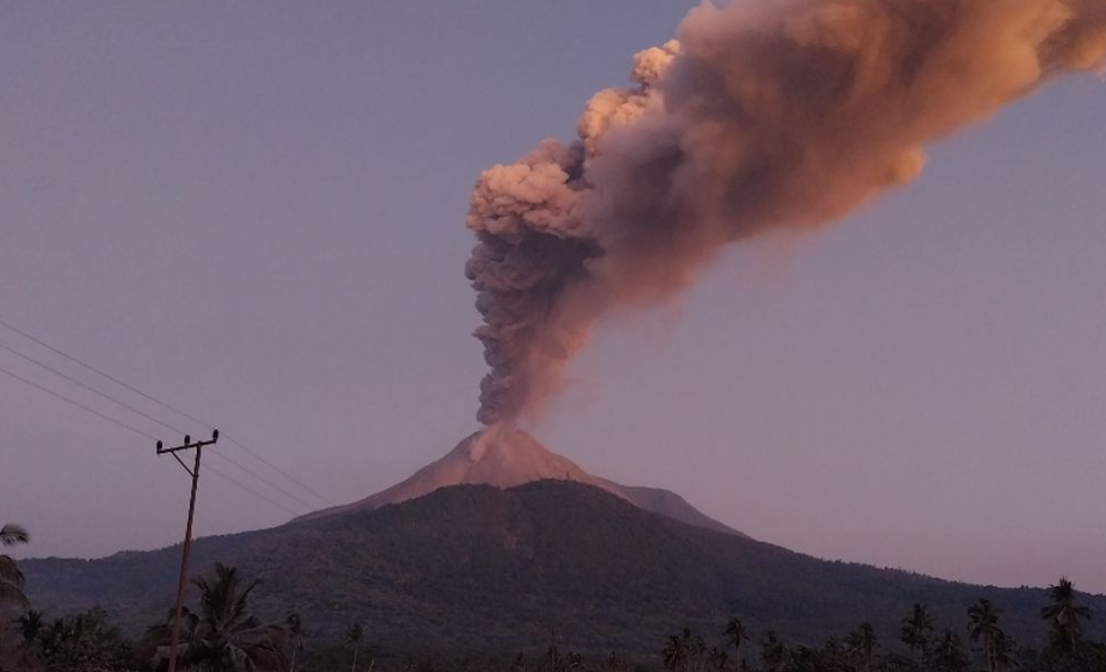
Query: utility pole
point(194, 472)
point(552, 649)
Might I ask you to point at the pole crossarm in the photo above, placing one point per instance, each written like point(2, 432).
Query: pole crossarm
point(188, 443)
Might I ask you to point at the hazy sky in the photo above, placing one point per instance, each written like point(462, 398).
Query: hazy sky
point(254, 212)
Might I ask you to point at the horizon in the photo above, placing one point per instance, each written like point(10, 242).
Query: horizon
point(259, 219)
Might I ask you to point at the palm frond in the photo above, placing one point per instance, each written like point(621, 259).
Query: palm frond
point(13, 534)
point(11, 594)
point(9, 571)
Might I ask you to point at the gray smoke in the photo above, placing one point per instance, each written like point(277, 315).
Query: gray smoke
point(764, 114)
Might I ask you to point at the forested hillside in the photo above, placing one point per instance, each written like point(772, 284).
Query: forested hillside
point(482, 569)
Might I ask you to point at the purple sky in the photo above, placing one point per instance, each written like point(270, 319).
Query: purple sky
point(253, 211)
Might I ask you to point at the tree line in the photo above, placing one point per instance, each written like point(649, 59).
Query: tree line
point(219, 633)
point(920, 646)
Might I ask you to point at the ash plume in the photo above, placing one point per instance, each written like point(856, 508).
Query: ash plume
point(762, 115)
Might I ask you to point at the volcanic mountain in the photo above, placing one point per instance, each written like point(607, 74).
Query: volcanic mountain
point(489, 548)
point(506, 457)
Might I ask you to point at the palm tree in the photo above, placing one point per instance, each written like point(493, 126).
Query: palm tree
point(227, 638)
point(862, 644)
point(615, 663)
point(773, 653)
point(983, 626)
point(294, 626)
point(718, 660)
point(674, 654)
point(696, 647)
point(353, 637)
point(1063, 615)
point(11, 579)
point(833, 655)
point(86, 641)
point(917, 631)
point(1005, 646)
point(682, 651)
point(950, 655)
point(154, 645)
point(31, 625)
point(735, 634)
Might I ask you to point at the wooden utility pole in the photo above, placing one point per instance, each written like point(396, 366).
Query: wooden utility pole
point(552, 650)
point(194, 472)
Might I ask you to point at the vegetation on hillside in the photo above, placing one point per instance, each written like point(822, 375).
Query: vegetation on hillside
point(554, 577)
point(222, 635)
point(476, 568)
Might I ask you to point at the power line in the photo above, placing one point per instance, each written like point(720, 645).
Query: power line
point(251, 490)
point(163, 404)
point(280, 471)
point(136, 431)
point(272, 485)
point(149, 417)
point(102, 373)
point(77, 404)
point(91, 389)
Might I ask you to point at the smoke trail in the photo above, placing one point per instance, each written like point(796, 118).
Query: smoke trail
point(764, 114)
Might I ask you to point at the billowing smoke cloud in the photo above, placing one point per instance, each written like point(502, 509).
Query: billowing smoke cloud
point(765, 114)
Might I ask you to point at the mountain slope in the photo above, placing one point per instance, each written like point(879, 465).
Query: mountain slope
point(506, 457)
point(668, 504)
point(480, 568)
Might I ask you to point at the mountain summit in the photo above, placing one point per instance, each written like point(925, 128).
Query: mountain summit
point(506, 457)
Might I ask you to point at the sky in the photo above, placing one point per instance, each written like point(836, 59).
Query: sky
point(254, 212)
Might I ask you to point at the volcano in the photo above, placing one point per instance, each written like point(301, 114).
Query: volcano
point(501, 540)
point(480, 568)
point(506, 457)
